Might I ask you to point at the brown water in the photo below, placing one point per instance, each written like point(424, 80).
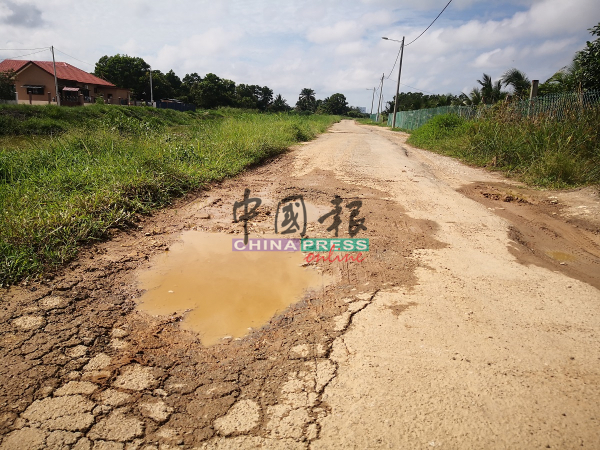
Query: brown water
point(224, 292)
point(561, 256)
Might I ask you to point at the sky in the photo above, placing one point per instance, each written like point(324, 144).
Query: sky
point(329, 46)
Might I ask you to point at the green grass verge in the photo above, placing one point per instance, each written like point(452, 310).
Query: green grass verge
point(365, 121)
point(59, 192)
point(541, 151)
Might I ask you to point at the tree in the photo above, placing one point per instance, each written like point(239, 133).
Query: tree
point(518, 81)
point(174, 81)
point(562, 81)
point(587, 71)
point(124, 71)
point(409, 101)
point(279, 104)
point(490, 92)
point(161, 88)
point(7, 85)
point(187, 84)
point(306, 100)
point(336, 104)
point(213, 92)
point(252, 96)
point(475, 97)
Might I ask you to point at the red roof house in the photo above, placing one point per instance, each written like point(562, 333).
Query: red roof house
point(34, 84)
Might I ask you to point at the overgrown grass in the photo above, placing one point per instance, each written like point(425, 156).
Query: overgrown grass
point(51, 119)
point(59, 192)
point(367, 121)
point(542, 151)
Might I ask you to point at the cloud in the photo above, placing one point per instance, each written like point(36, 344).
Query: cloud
point(330, 46)
point(23, 15)
point(341, 31)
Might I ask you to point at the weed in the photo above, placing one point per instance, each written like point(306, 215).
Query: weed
point(110, 164)
point(542, 150)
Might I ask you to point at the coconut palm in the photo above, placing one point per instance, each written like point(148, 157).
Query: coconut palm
point(475, 97)
point(565, 80)
point(490, 92)
point(279, 104)
point(307, 100)
point(518, 81)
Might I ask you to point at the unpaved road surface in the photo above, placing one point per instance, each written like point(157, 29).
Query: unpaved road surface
point(472, 323)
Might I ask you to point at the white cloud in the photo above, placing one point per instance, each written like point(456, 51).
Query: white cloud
point(331, 46)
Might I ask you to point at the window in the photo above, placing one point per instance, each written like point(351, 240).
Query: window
point(35, 90)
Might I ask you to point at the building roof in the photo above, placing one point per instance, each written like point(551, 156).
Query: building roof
point(64, 71)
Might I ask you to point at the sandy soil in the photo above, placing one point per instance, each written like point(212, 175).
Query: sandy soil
point(472, 323)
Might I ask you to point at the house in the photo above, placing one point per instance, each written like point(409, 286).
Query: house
point(35, 84)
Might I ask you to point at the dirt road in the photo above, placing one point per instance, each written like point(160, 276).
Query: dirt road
point(472, 323)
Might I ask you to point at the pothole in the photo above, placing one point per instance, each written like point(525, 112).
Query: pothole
point(220, 292)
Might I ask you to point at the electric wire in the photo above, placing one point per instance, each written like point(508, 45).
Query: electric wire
point(76, 59)
point(24, 49)
point(29, 54)
point(406, 45)
point(397, 56)
point(448, 4)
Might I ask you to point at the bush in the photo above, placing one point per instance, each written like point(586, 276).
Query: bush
point(542, 150)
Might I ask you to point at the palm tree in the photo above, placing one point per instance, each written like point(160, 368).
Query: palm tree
point(307, 100)
point(565, 80)
point(490, 92)
point(279, 104)
point(475, 97)
point(518, 81)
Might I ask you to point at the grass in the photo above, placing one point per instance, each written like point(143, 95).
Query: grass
point(367, 121)
point(68, 175)
point(541, 151)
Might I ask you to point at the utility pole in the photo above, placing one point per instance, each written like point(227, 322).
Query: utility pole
point(398, 84)
point(372, 99)
point(151, 93)
point(380, 97)
point(55, 79)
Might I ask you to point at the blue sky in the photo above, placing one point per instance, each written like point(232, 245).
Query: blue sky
point(327, 45)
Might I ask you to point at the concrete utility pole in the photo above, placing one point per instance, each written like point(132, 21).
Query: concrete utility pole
point(151, 93)
point(55, 79)
point(399, 73)
point(398, 84)
point(380, 97)
point(534, 89)
point(372, 99)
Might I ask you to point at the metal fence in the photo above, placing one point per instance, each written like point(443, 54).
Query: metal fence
point(552, 105)
point(176, 105)
point(411, 120)
point(555, 105)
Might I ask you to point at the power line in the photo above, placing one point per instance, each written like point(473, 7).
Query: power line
point(28, 54)
point(23, 49)
point(448, 4)
point(388, 77)
point(76, 59)
point(416, 89)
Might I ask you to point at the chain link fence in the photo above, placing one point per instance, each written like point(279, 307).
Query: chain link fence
point(552, 105)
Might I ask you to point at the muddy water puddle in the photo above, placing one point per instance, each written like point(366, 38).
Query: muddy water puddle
point(222, 292)
point(561, 256)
